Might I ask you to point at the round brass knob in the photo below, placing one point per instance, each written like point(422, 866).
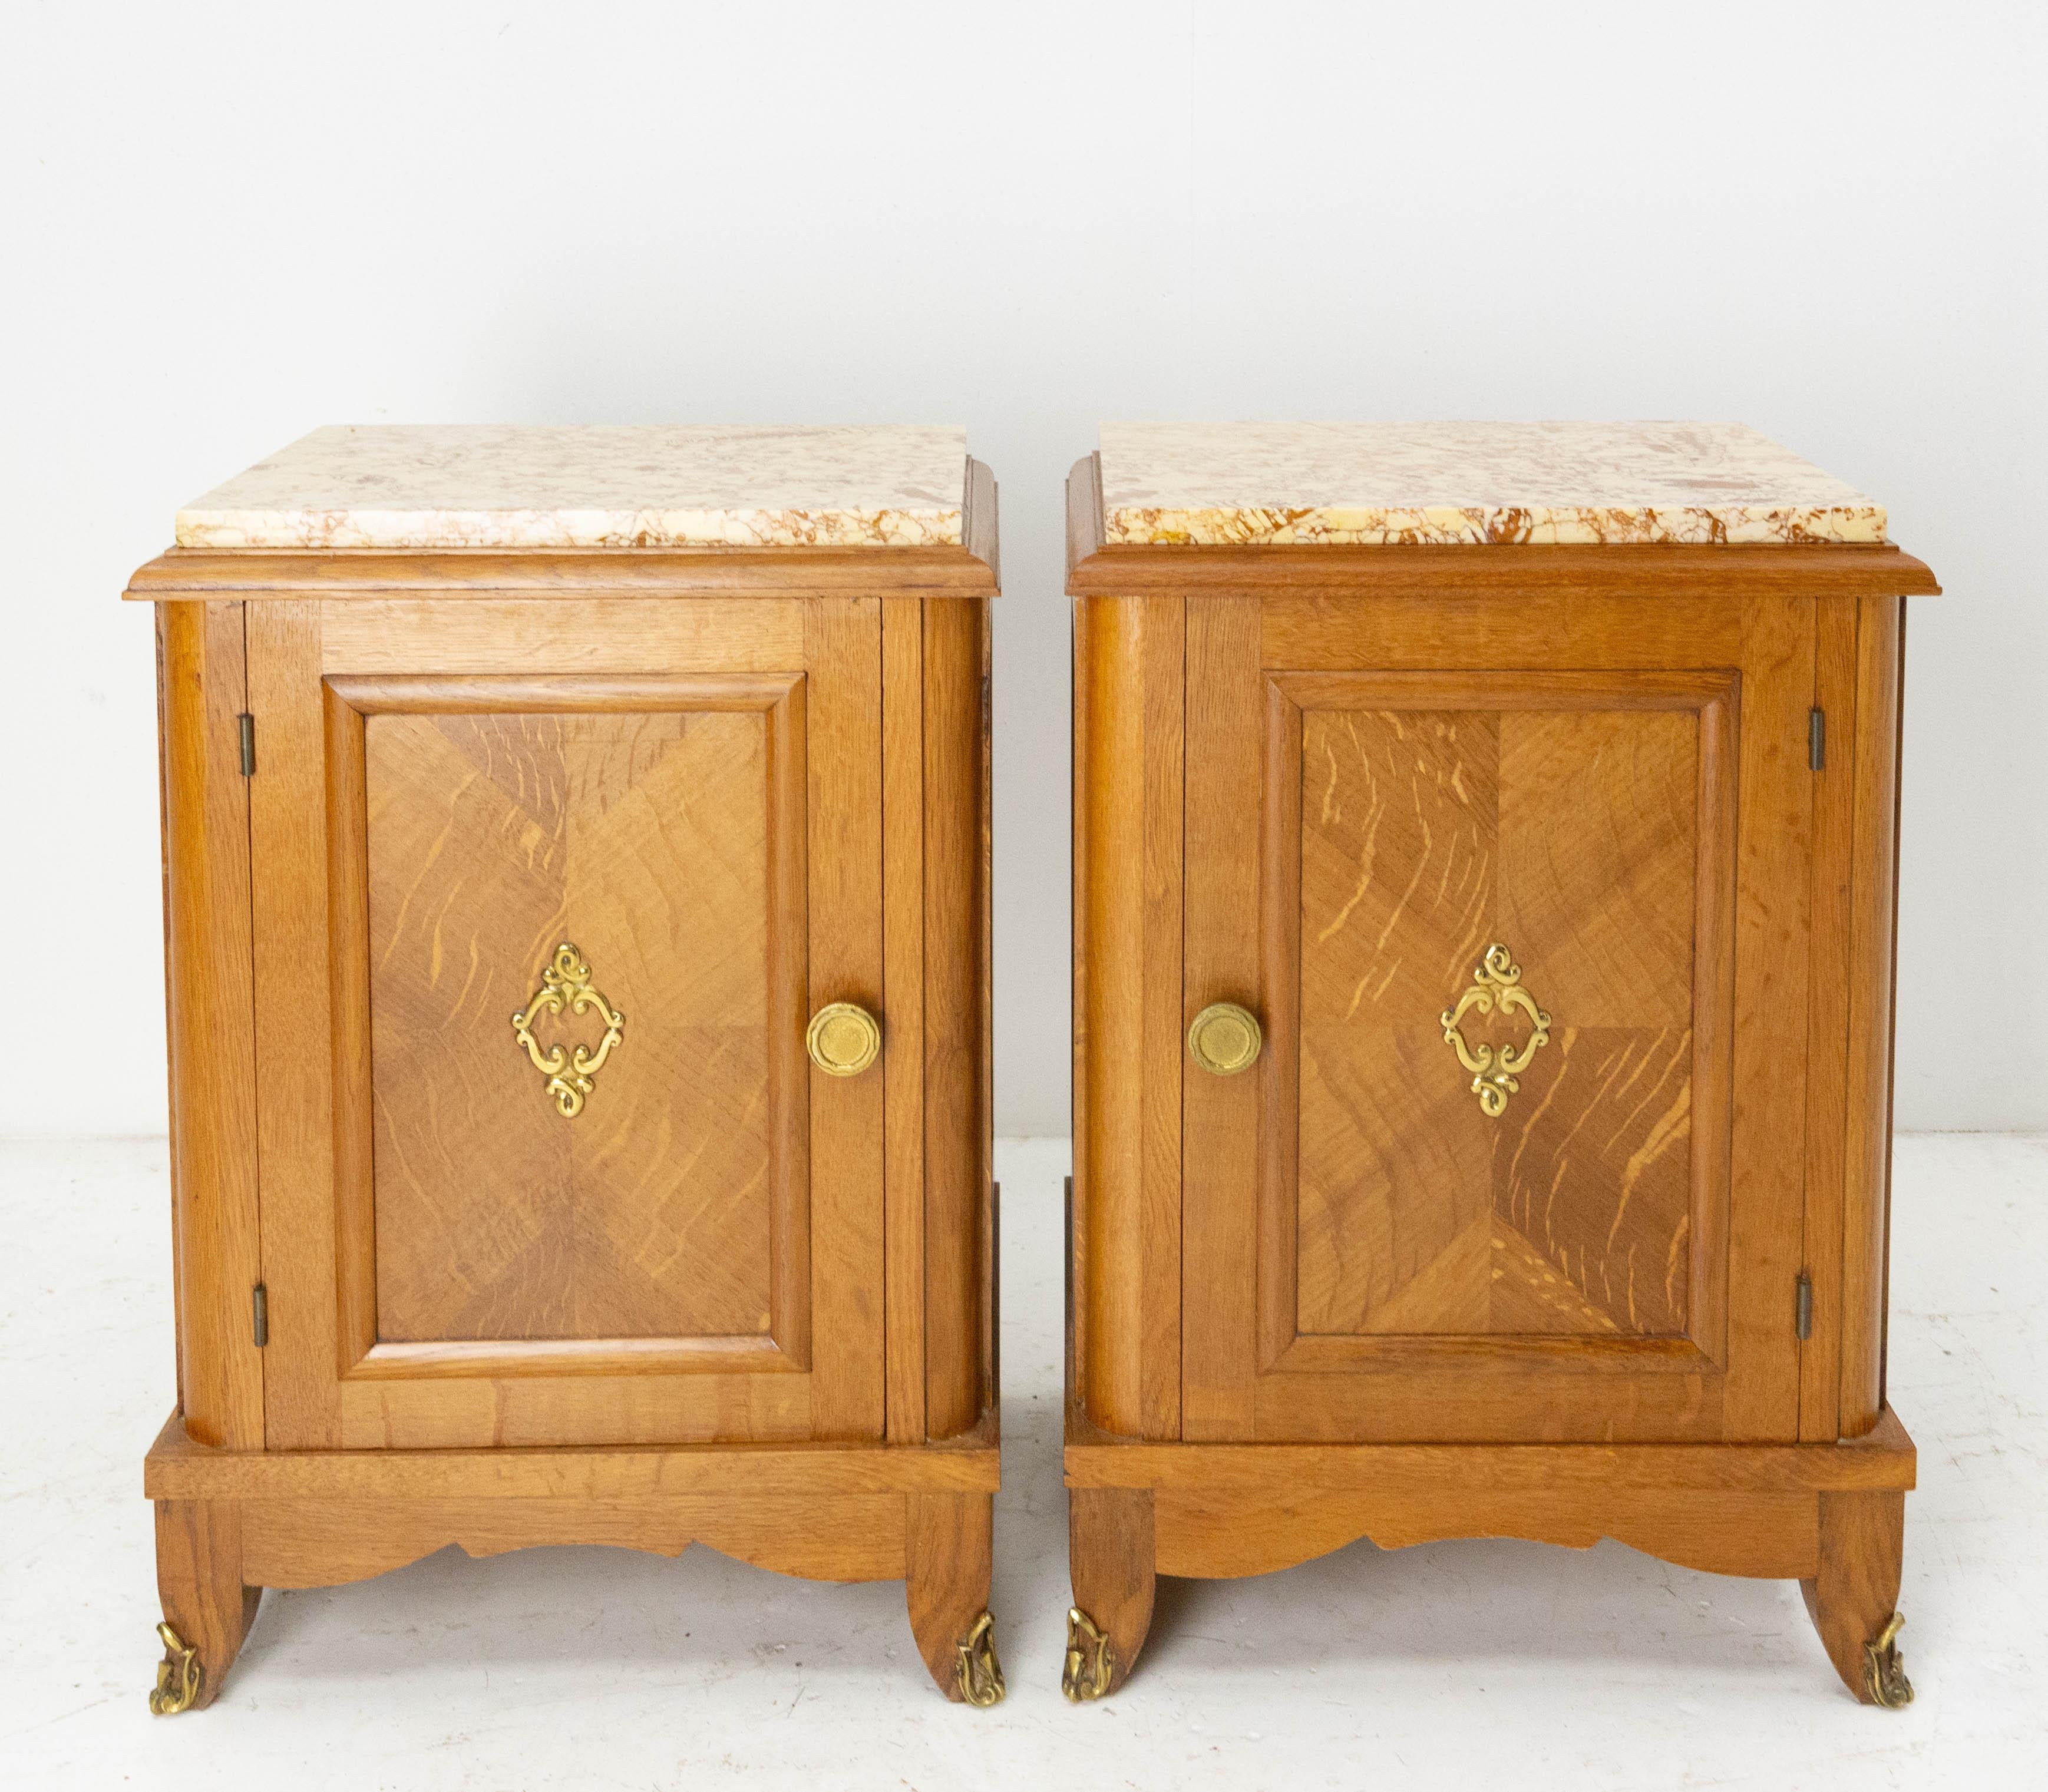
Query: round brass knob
point(1225, 1038)
point(843, 1039)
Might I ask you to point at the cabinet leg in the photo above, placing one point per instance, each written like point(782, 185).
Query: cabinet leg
point(1854, 1598)
point(950, 1538)
point(207, 1610)
point(1111, 1556)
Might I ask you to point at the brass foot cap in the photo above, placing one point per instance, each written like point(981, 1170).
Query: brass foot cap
point(1090, 1664)
point(1884, 1668)
point(178, 1675)
point(977, 1673)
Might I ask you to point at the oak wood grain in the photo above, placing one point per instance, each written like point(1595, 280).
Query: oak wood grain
point(326, 1542)
point(209, 1021)
point(208, 1588)
point(1127, 1190)
point(1210, 1534)
point(567, 637)
point(1852, 1589)
point(178, 1468)
point(1867, 1185)
point(1884, 1459)
point(1828, 1015)
point(648, 836)
point(948, 1541)
point(647, 572)
point(1112, 1558)
point(351, 1379)
point(843, 646)
point(958, 1137)
point(1221, 1133)
point(903, 988)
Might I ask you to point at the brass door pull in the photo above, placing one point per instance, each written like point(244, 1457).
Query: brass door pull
point(843, 1039)
point(1225, 1039)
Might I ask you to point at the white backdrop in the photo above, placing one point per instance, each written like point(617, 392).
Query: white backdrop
point(222, 226)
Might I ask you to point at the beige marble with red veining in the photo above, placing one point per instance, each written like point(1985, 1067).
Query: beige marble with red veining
point(1398, 484)
point(510, 485)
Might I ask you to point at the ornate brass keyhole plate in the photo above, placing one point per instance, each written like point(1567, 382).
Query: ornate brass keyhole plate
point(1497, 982)
point(565, 987)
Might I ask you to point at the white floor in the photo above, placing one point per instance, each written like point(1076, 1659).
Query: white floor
point(573, 1668)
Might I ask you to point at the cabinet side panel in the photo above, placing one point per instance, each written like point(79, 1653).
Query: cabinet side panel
point(1129, 918)
point(1867, 1187)
point(1827, 1010)
point(956, 1150)
point(903, 992)
point(210, 1023)
point(1109, 1174)
point(1165, 673)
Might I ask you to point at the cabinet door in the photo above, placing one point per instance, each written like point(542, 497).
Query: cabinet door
point(545, 892)
point(1519, 895)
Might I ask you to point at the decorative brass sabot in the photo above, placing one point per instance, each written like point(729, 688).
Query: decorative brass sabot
point(1494, 1069)
point(1090, 1667)
point(978, 1670)
point(178, 1675)
point(565, 987)
point(1884, 1668)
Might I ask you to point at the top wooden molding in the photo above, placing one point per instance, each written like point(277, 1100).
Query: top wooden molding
point(1197, 543)
point(574, 511)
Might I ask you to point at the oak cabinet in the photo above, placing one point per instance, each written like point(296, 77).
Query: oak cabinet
point(1484, 851)
point(579, 1014)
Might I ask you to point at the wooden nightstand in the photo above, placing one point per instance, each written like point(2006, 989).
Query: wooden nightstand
point(1484, 847)
point(576, 847)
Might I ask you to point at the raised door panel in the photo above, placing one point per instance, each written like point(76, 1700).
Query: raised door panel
point(1566, 840)
point(543, 1160)
point(1523, 934)
point(634, 853)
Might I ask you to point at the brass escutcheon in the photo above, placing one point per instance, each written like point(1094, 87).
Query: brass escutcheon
point(1091, 1663)
point(842, 1038)
point(1225, 1039)
point(565, 986)
point(1498, 980)
point(979, 1671)
point(1884, 1668)
point(178, 1675)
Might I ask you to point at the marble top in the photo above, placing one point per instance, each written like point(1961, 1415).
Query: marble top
point(487, 485)
point(1398, 484)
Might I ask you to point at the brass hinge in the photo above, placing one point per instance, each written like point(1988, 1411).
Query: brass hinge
point(259, 1314)
point(1802, 1306)
point(248, 726)
point(1816, 739)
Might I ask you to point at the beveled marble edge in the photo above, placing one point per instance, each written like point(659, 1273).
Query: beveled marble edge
point(415, 487)
point(1469, 484)
point(1453, 527)
point(421, 529)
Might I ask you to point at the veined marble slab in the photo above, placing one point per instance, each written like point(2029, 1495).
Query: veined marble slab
point(1385, 484)
point(490, 485)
